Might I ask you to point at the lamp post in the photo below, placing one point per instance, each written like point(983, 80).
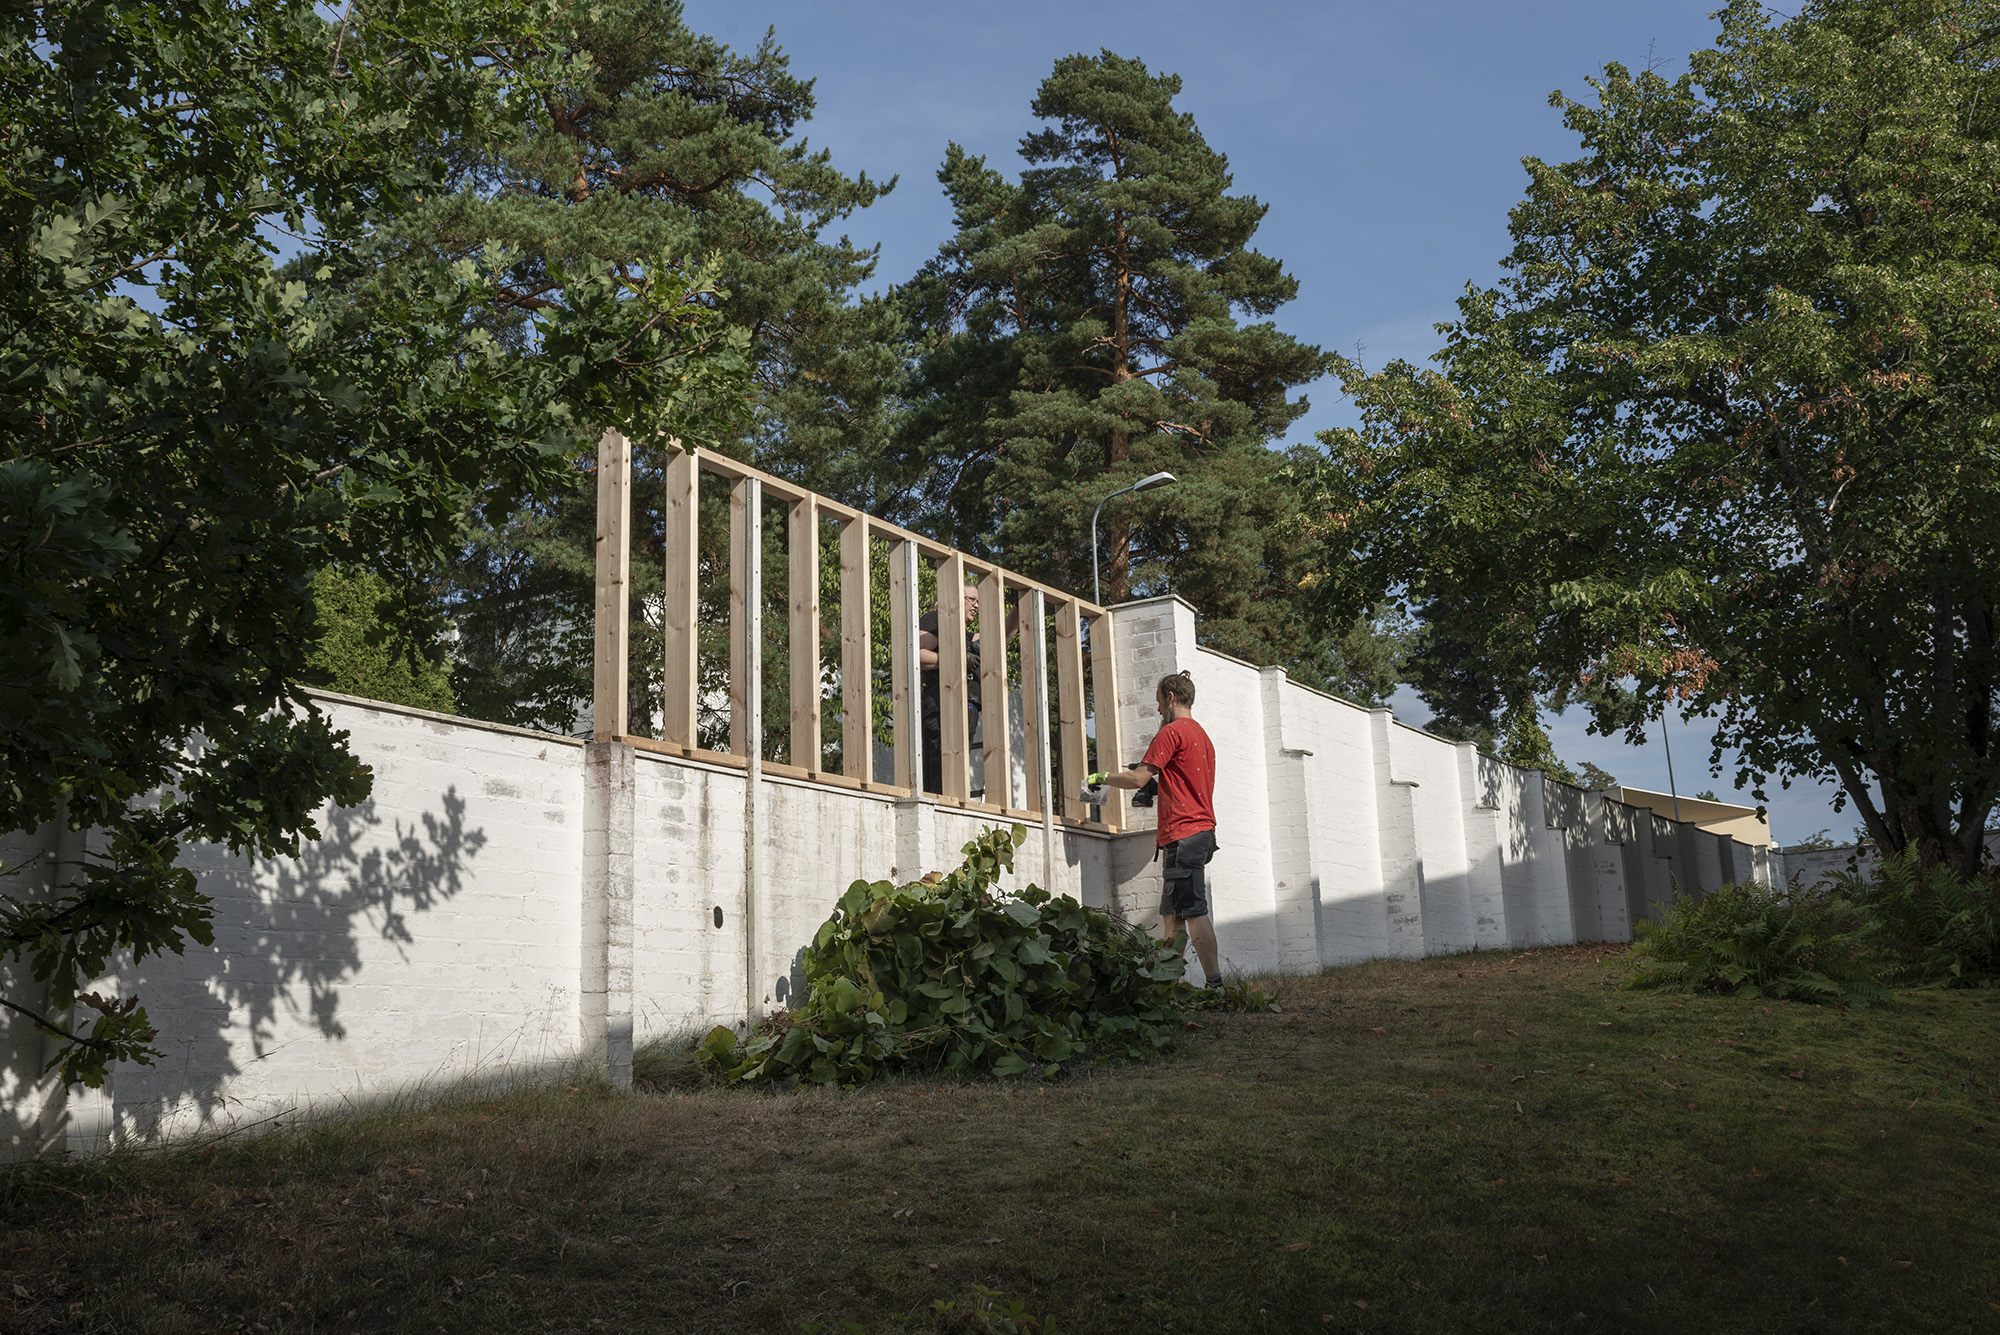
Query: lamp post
point(1146, 483)
point(1672, 787)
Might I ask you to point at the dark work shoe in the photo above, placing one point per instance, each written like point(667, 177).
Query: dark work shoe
point(1213, 985)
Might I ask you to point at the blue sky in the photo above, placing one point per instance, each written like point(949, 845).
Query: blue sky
point(1386, 139)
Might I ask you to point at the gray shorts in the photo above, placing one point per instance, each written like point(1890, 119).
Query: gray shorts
point(1184, 891)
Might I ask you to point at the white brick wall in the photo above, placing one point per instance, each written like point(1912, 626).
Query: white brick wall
point(441, 930)
point(1348, 836)
point(1347, 844)
point(431, 935)
point(508, 902)
point(687, 862)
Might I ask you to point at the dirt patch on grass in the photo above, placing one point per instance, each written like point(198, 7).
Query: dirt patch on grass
point(1474, 1143)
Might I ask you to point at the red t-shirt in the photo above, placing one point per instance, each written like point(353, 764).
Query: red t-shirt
point(1185, 759)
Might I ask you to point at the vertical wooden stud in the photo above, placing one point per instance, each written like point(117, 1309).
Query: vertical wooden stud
point(954, 739)
point(614, 584)
point(750, 639)
point(1104, 692)
point(995, 704)
point(857, 659)
point(1069, 709)
point(1034, 660)
point(903, 686)
point(681, 618)
point(746, 542)
point(1034, 701)
point(805, 751)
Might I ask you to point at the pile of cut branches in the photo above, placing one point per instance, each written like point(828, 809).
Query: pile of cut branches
point(950, 974)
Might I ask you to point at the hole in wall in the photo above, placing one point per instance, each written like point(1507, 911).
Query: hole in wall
point(718, 915)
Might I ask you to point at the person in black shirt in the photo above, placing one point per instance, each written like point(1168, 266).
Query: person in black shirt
point(932, 703)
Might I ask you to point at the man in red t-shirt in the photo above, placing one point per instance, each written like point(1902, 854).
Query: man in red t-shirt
point(1182, 758)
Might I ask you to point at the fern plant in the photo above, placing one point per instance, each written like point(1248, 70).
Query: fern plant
point(1936, 930)
point(1753, 940)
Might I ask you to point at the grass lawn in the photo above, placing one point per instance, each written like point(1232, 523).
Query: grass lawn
point(1485, 1142)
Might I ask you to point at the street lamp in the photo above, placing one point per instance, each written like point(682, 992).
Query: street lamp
point(1143, 484)
point(1672, 787)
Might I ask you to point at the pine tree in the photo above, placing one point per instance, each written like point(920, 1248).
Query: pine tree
point(1080, 331)
point(360, 650)
point(665, 142)
point(669, 142)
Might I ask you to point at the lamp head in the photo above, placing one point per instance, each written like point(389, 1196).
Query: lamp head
point(1154, 480)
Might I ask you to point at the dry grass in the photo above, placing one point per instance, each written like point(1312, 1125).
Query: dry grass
point(1478, 1143)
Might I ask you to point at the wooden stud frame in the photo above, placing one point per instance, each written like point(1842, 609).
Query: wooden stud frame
point(1074, 621)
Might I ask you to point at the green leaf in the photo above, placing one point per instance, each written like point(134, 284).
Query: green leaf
point(842, 996)
point(58, 238)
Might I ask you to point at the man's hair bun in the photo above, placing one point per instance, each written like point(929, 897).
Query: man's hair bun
point(1179, 685)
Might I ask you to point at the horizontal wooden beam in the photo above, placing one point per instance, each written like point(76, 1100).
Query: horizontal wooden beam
point(736, 470)
point(775, 487)
point(653, 746)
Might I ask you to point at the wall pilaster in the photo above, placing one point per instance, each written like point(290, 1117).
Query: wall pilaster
point(1402, 857)
point(604, 993)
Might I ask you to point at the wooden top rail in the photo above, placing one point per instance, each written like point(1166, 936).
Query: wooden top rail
point(721, 465)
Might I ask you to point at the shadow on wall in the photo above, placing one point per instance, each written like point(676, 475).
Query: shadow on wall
point(27, 1100)
point(290, 935)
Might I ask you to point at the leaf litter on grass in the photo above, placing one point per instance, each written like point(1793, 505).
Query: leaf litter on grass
point(1651, 1219)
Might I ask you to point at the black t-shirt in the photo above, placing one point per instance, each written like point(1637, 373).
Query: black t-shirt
point(932, 699)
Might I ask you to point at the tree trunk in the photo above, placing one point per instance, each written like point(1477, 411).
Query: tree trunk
point(1976, 802)
point(1121, 371)
point(1940, 816)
